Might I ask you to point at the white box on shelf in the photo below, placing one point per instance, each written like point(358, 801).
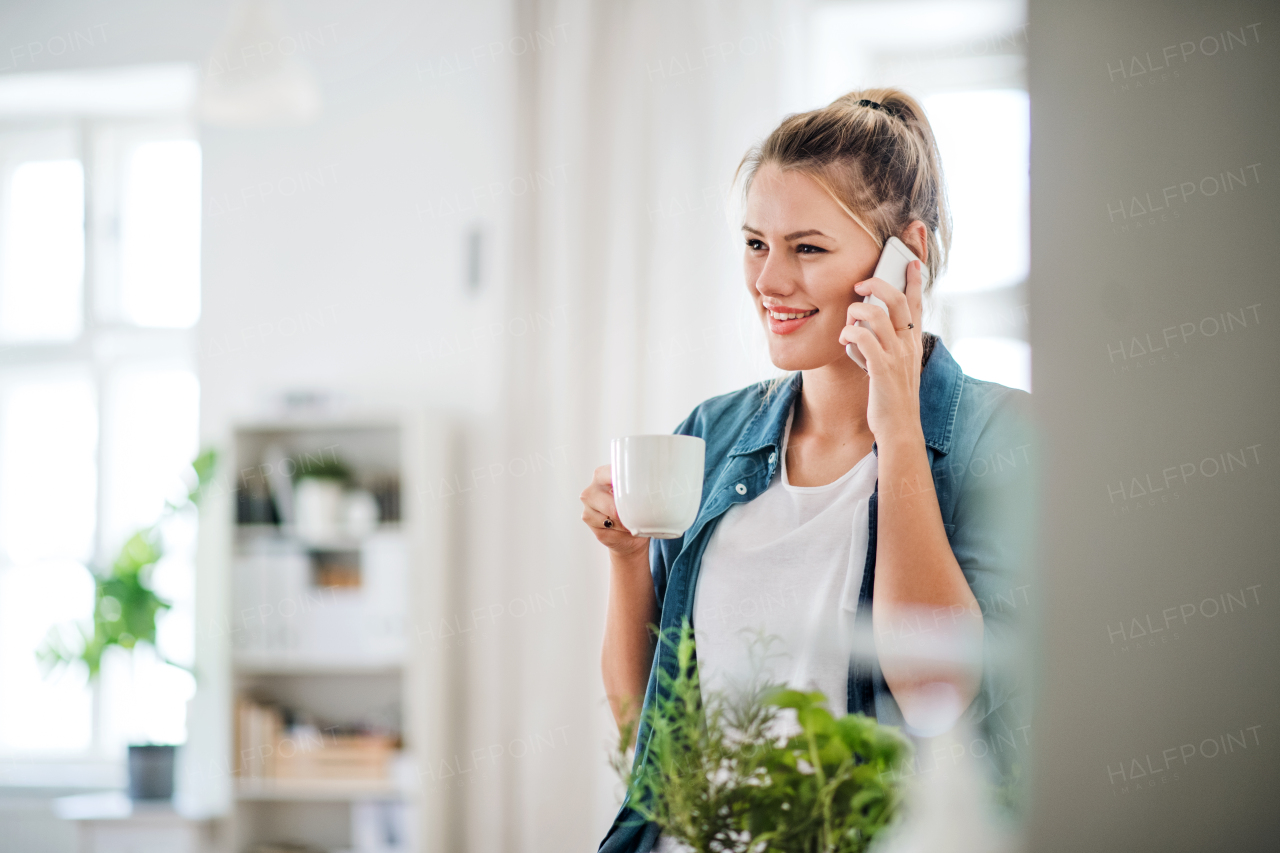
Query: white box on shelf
point(271, 597)
point(280, 612)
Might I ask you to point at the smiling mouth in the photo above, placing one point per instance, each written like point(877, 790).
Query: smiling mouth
point(777, 315)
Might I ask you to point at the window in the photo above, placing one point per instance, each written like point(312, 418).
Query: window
point(48, 433)
point(988, 185)
point(160, 234)
point(44, 252)
point(988, 181)
point(99, 299)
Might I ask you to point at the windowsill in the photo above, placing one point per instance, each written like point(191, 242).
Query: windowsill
point(63, 774)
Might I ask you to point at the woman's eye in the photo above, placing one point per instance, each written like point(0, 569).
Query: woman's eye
point(807, 249)
point(755, 245)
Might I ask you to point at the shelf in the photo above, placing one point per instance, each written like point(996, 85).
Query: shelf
point(286, 664)
point(283, 535)
point(336, 422)
point(316, 790)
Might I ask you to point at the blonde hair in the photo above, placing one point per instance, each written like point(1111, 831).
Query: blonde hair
point(874, 152)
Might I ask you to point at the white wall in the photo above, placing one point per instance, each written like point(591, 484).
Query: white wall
point(335, 258)
point(324, 266)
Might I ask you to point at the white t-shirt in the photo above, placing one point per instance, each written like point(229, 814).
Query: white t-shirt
point(786, 566)
point(785, 569)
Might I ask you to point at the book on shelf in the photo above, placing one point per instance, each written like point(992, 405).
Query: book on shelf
point(258, 733)
point(268, 749)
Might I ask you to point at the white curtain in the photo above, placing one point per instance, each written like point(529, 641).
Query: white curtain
point(644, 109)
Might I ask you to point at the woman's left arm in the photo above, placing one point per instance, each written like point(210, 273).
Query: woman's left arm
point(927, 623)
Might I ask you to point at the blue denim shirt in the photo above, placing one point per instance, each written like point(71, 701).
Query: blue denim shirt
point(979, 444)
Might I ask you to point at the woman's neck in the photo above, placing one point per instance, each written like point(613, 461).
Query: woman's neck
point(833, 403)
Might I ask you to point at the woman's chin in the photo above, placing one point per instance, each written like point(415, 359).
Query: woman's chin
point(791, 360)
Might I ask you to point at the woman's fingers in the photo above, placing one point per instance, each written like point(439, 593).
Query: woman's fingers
point(595, 518)
point(601, 488)
point(896, 304)
point(867, 343)
point(598, 504)
point(601, 514)
point(874, 319)
point(608, 529)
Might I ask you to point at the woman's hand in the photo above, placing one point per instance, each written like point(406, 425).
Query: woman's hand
point(601, 515)
point(891, 345)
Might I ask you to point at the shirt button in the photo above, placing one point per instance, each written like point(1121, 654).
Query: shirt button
point(773, 457)
point(741, 488)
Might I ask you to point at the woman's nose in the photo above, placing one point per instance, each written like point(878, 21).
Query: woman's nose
point(775, 279)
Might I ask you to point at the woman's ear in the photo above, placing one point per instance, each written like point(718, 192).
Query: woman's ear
point(915, 237)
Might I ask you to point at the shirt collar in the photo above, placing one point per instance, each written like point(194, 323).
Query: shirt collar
point(940, 384)
point(765, 429)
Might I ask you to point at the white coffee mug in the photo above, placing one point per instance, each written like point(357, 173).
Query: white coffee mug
point(657, 483)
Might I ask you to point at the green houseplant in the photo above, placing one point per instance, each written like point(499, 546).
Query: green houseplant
point(721, 775)
point(125, 606)
point(125, 610)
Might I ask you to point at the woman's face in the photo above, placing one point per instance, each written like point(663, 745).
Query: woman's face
point(803, 256)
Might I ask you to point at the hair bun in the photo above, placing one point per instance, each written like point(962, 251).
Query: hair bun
point(889, 109)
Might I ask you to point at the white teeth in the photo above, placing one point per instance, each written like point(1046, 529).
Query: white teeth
point(777, 316)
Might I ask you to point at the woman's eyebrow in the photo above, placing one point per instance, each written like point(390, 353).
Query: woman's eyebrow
point(794, 235)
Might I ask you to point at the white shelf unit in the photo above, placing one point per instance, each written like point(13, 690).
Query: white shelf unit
point(338, 654)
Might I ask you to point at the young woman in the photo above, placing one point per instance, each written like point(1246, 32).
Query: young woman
point(839, 502)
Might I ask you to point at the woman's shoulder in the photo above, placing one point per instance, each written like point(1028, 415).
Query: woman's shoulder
point(726, 411)
point(990, 397)
point(993, 415)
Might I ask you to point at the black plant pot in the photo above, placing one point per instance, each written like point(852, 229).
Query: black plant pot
point(151, 772)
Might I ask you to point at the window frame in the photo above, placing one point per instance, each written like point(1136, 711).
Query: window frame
point(107, 344)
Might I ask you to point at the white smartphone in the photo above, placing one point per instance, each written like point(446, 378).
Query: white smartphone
point(892, 268)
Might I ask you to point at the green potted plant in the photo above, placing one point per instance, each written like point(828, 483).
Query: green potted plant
point(124, 615)
point(726, 776)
